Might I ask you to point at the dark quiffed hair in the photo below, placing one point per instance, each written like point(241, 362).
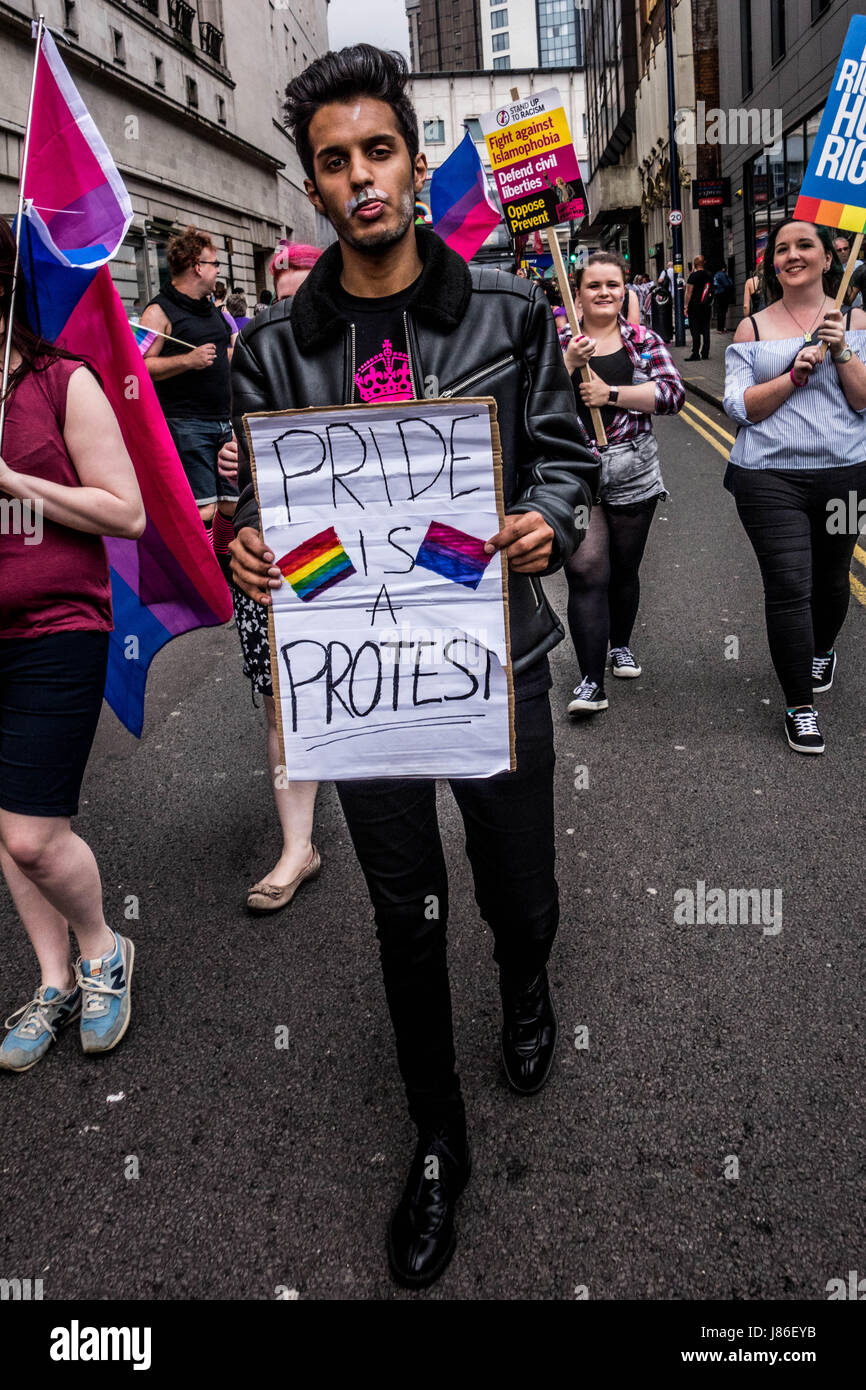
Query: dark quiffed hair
point(359, 71)
point(832, 277)
point(601, 258)
point(37, 353)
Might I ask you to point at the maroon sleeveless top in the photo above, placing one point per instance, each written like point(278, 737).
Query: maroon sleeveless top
point(60, 584)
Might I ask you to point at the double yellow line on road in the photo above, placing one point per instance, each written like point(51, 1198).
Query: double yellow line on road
point(693, 416)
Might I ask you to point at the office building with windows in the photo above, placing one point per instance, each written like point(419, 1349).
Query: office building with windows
point(187, 97)
point(776, 65)
point(531, 34)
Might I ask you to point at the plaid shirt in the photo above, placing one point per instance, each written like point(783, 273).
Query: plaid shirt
point(670, 392)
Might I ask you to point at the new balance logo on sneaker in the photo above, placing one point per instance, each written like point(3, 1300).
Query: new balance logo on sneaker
point(34, 1027)
point(105, 1009)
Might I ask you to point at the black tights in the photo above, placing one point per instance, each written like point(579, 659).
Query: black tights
point(604, 583)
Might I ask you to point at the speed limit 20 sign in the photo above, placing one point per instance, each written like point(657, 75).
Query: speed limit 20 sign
point(675, 218)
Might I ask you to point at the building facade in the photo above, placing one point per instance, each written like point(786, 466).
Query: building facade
point(444, 35)
point(187, 98)
point(531, 34)
point(450, 103)
point(776, 63)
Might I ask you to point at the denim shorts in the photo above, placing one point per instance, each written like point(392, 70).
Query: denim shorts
point(50, 699)
point(631, 472)
point(198, 442)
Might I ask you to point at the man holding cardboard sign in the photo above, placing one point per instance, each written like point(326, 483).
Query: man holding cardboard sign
point(392, 310)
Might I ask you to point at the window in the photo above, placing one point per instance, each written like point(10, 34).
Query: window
point(746, 45)
point(70, 16)
point(434, 132)
point(221, 109)
point(502, 62)
point(192, 92)
point(500, 41)
point(473, 125)
point(118, 46)
point(777, 30)
point(583, 121)
point(499, 19)
point(158, 72)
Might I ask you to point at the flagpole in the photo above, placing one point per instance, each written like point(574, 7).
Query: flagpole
point(10, 307)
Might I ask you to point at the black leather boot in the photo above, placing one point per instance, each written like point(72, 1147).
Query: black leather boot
point(421, 1236)
point(528, 1033)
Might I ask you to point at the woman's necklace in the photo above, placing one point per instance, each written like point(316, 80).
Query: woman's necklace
point(807, 334)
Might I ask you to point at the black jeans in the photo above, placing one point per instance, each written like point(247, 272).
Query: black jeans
point(508, 820)
point(699, 324)
point(804, 560)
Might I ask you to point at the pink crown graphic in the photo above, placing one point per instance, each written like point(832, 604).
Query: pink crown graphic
point(385, 377)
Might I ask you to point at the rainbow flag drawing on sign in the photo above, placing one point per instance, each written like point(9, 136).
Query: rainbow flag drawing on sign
point(316, 565)
point(453, 554)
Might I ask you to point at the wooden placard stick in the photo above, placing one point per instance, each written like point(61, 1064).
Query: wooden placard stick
point(846, 280)
point(568, 301)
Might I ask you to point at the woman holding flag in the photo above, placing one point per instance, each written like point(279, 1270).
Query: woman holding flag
point(66, 480)
point(796, 385)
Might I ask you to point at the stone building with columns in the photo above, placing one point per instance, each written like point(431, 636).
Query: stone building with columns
point(187, 97)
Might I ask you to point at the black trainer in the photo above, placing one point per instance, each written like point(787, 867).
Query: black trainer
point(823, 671)
point(589, 698)
point(801, 727)
point(421, 1236)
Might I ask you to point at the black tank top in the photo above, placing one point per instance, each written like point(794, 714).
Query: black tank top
point(616, 369)
point(195, 395)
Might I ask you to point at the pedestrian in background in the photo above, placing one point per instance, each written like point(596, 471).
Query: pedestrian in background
point(265, 301)
point(236, 306)
point(193, 383)
point(299, 860)
point(62, 454)
point(723, 293)
point(798, 460)
point(753, 291)
point(699, 306)
point(632, 378)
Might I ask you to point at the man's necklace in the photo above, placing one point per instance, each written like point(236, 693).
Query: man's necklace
point(807, 334)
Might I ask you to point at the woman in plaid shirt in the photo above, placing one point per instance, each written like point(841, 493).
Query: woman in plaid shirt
point(633, 378)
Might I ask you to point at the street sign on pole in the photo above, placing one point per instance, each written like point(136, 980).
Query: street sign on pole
point(675, 218)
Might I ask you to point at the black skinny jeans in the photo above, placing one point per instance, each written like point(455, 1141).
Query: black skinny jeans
point(804, 563)
point(508, 821)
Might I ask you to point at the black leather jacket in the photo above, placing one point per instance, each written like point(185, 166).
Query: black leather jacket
point(471, 331)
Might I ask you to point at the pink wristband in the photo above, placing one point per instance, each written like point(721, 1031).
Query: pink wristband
point(797, 383)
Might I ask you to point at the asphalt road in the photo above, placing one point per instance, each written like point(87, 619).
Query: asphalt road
point(265, 1172)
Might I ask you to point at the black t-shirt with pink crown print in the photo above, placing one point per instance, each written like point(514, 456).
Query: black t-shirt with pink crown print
point(382, 371)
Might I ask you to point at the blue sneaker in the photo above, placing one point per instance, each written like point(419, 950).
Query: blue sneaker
point(105, 1011)
point(34, 1027)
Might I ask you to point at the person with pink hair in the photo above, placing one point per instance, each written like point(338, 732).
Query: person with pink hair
point(290, 265)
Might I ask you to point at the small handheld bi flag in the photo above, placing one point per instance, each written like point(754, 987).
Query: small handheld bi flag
point(453, 554)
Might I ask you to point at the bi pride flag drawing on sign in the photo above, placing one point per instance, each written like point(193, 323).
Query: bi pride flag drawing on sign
point(388, 637)
point(833, 193)
point(533, 161)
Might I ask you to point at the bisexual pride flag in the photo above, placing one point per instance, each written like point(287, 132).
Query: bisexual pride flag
point(77, 213)
point(316, 565)
point(453, 554)
point(143, 337)
point(463, 212)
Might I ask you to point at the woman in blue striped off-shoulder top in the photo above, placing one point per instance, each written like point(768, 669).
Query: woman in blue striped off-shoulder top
point(798, 466)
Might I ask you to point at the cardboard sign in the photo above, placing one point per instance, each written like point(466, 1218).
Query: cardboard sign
point(389, 635)
point(533, 161)
point(833, 193)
